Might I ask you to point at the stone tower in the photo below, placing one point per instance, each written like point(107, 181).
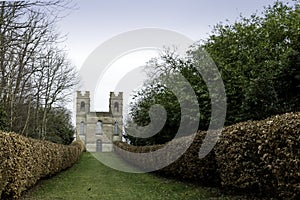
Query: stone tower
point(116, 109)
point(99, 129)
point(82, 110)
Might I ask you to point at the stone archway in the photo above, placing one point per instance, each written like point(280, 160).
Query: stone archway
point(99, 146)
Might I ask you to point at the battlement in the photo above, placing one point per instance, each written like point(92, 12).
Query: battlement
point(83, 94)
point(119, 95)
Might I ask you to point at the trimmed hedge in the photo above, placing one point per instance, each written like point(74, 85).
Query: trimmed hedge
point(188, 166)
point(260, 157)
point(23, 161)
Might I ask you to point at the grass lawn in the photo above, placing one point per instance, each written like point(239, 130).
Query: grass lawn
point(90, 179)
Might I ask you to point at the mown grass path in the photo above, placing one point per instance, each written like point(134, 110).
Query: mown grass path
point(90, 179)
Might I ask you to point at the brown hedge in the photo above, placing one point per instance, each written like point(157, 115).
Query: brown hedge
point(23, 161)
point(188, 166)
point(261, 157)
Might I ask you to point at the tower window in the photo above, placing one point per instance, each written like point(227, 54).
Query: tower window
point(116, 107)
point(99, 127)
point(116, 128)
point(82, 106)
point(81, 128)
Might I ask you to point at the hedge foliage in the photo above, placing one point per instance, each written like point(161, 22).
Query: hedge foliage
point(188, 166)
point(23, 161)
point(257, 156)
point(262, 156)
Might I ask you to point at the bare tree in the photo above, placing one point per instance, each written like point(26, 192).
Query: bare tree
point(34, 74)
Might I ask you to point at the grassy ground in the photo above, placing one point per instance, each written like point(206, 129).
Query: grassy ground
point(89, 179)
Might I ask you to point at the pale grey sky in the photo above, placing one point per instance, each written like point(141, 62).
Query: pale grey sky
point(98, 20)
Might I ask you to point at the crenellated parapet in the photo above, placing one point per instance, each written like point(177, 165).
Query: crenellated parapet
point(83, 94)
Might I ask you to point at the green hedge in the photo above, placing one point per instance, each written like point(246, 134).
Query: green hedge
point(23, 161)
point(261, 157)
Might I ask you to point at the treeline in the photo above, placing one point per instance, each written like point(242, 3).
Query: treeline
point(36, 77)
point(259, 61)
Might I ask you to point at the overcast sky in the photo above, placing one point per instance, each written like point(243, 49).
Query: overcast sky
point(98, 20)
point(95, 21)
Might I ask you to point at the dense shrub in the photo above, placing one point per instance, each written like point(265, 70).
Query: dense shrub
point(262, 156)
point(3, 119)
point(188, 166)
point(23, 161)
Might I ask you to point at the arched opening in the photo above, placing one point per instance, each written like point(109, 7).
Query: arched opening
point(82, 106)
point(81, 128)
point(116, 128)
point(99, 127)
point(99, 146)
point(116, 107)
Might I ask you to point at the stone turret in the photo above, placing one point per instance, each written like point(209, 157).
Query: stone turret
point(82, 109)
point(116, 109)
point(83, 102)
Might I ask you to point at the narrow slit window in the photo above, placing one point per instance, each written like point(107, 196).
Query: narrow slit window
point(116, 107)
point(81, 128)
point(82, 106)
point(116, 128)
point(99, 127)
